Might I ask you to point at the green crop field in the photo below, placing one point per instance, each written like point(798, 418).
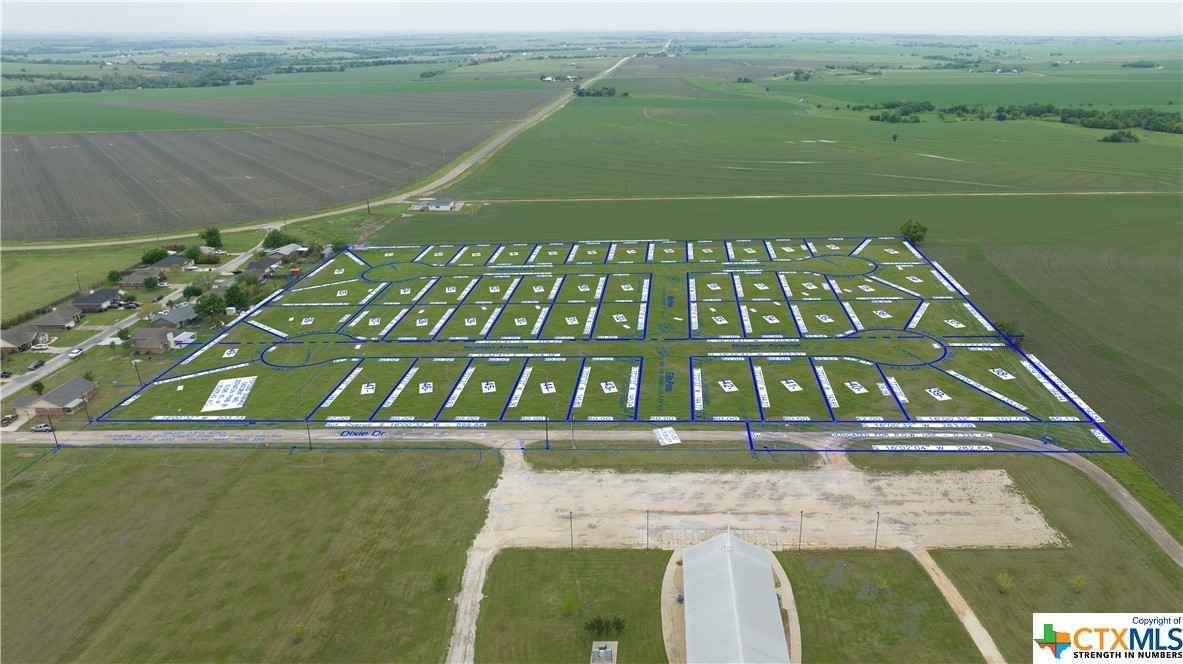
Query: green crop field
point(1113, 554)
point(203, 555)
point(522, 618)
point(879, 606)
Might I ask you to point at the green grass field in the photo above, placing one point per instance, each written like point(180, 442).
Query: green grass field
point(202, 555)
point(522, 617)
point(859, 606)
point(1124, 569)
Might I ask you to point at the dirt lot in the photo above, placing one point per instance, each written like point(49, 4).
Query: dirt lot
point(528, 508)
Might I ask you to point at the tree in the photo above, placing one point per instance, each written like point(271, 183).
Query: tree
point(617, 624)
point(440, 581)
point(90, 375)
point(211, 237)
point(236, 296)
point(123, 335)
point(192, 291)
point(914, 231)
point(598, 625)
point(153, 255)
point(570, 603)
point(37, 387)
point(277, 238)
point(130, 297)
point(1005, 581)
point(1078, 583)
point(192, 252)
point(114, 276)
point(297, 630)
point(1010, 329)
point(209, 305)
point(895, 137)
point(151, 282)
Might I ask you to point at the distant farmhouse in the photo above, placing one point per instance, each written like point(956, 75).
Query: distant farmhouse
point(436, 205)
point(172, 263)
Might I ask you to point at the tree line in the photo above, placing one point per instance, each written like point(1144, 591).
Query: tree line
point(904, 111)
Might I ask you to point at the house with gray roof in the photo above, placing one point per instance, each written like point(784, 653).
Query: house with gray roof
point(175, 319)
point(20, 339)
point(65, 399)
point(64, 317)
point(96, 301)
point(174, 263)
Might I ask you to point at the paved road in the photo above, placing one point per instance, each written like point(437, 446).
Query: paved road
point(447, 178)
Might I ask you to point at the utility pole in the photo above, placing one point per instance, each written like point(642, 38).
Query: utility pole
point(136, 365)
point(546, 423)
point(570, 518)
point(646, 529)
point(77, 281)
point(800, 530)
point(308, 430)
point(875, 548)
point(85, 407)
point(52, 429)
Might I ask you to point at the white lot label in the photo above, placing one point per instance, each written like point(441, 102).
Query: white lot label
point(937, 394)
point(368, 388)
point(307, 321)
point(519, 321)
point(425, 388)
point(761, 285)
point(708, 251)
point(719, 319)
point(421, 322)
point(855, 387)
point(791, 385)
point(404, 291)
point(229, 393)
point(571, 320)
point(824, 318)
point(583, 288)
point(914, 279)
point(619, 318)
point(539, 289)
point(470, 322)
point(728, 386)
point(548, 388)
point(626, 287)
point(494, 289)
point(449, 289)
point(809, 286)
point(513, 253)
point(891, 251)
point(713, 286)
point(667, 436)
point(1002, 373)
point(866, 288)
point(230, 353)
point(772, 319)
point(339, 270)
point(342, 293)
point(488, 386)
point(954, 323)
point(832, 247)
point(180, 388)
point(609, 387)
point(882, 314)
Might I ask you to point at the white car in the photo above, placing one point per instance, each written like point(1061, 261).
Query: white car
point(77, 352)
point(164, 311)
point(39, 347)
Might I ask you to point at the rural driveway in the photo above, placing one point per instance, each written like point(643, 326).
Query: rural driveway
point(445, 179)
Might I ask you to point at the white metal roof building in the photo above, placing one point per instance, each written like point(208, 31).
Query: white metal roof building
point(732, 614)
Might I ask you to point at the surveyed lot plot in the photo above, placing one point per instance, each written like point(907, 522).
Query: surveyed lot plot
point(441, 338)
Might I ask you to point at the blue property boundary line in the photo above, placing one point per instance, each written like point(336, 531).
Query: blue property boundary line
point(732, 267)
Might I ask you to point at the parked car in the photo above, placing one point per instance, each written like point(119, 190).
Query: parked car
point(158, 298)
point(37, 364)
point(42, 428)
point(6, 420)
point(5, 374)
point(75, 353)
point(182, 304)
point(40, 347)
point(164, 311)
point(236, 272)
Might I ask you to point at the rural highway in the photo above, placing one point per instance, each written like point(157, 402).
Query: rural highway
point(447, 178)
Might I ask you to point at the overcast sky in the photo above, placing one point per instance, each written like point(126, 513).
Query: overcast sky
point(954, 18)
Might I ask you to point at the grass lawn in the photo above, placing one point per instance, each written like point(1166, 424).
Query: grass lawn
point(627, 456)
point(209, 555)
point(1124, 569)
point(522, 617)
point(1142, 486)
point(840, 600)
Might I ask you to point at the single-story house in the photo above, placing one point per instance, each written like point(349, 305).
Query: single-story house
point(152, 340)
point(172, 263)
point(65, 399)
point(288, 251)
point(62, 318)
point(265, 264)
point(176, 319)
point(97, 301)
point(20, 339)
point(442, 205)
point(136, 279)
